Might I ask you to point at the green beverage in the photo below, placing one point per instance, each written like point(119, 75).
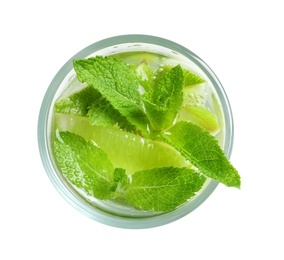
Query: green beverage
point(136, 131)
point(139, 133)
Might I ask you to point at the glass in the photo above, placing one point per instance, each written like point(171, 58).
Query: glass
point(107, 213)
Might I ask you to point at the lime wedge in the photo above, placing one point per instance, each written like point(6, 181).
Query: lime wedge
point(194, 95)
point(137, 56)
point(124, 149)
point(201, 116)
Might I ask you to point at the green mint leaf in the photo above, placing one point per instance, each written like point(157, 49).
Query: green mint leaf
point(203, 151)
point(84, 164)
point(163, 189)
point(168, 89)
point(102, 113)
point(78, 103)
point(191, 79)
point(118, 83)
point(166, 99)
point(201, 116)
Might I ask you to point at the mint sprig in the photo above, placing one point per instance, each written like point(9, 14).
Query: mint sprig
point(151, 111)
point(135, 100)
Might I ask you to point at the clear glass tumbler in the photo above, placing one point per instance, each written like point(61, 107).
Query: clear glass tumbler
point(109, 213)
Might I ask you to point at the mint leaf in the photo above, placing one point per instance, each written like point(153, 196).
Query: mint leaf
point(101, 113)
point(166, 99)
point(163, 189)
point(118, 83)
point(168, 89)
point(203, 151)
point(78, 103)
point(84, 164)
point(191, 79)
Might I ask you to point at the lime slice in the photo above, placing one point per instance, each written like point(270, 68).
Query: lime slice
point(136, 57)
point(194, 95)
point(201, 116)
point(124, 149)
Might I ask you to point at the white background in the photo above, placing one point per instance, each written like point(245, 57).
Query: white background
point(242, 41)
